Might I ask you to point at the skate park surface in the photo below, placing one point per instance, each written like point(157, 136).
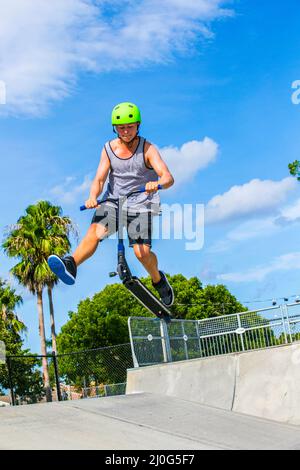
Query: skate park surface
point(238, 401)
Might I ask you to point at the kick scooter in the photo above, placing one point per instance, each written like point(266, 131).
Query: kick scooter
point(133, 283)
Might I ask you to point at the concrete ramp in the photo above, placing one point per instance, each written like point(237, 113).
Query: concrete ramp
point(198, 404)
point(263, 383)
point(136, 422)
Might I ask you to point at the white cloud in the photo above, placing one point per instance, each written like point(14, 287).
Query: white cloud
point(287, 262)
point(257, 228)
point(253, 228)
point(289, 214)
point(69, 192)
point(253, 198)
point(184, 163)
point(45, 45)
point(219, 246)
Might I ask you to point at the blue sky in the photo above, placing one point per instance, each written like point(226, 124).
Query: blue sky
point(214, 82)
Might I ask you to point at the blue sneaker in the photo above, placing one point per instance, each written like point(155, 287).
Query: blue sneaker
point(165, 290)
point(64, 268)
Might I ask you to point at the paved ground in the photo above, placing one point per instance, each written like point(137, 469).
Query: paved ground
point(139, 421)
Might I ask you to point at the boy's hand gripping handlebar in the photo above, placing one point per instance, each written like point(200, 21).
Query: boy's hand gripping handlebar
point(141, 190)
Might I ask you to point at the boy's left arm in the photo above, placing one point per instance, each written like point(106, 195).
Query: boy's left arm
point(154, 160)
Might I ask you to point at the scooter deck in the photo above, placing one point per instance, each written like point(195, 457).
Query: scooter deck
point(147, 299)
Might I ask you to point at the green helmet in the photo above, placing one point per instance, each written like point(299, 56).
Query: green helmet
point(125, 113)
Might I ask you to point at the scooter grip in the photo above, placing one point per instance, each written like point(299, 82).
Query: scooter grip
point(143, 188)
point(83, 208)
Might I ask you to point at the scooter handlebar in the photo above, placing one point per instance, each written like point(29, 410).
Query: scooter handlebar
point(141, 190)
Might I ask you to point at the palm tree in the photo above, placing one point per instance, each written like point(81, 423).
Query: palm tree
point(41, 232)
point(8, 302)
point(54, 230)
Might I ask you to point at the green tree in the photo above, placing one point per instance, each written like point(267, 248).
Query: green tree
point(295, 169)
point(102, 320)
point(9, 300)
point(25, 371)
point(217, 300)
point(26, 377)
point(39, 233)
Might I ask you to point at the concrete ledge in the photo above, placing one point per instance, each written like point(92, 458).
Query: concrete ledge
point(206, 381)
point(263, 383)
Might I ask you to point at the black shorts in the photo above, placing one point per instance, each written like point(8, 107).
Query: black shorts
point(138, 225)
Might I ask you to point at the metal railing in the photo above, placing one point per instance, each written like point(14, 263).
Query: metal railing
point(153, 341)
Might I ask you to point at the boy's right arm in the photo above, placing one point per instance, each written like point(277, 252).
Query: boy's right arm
point(99, 181)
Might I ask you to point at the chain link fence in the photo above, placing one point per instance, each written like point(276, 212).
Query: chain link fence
point(86, 374)
point(155, 342)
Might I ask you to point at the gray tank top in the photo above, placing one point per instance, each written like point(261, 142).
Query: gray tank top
point(129, 174)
